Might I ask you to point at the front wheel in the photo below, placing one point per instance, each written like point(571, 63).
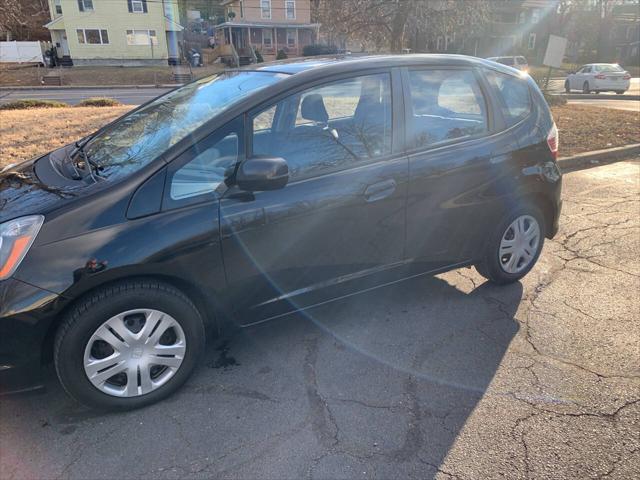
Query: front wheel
point(128, 345)
point(514, 247)
point(567, 88)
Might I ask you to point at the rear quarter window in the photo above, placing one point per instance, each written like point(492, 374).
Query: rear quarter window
point(513, 94)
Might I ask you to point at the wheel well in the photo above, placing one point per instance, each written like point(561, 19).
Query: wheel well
point(547, 209)
point(208, 311)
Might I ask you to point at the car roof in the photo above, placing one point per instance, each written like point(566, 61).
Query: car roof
point(348, 63)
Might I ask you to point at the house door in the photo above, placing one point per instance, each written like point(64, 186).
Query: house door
point(65, 45)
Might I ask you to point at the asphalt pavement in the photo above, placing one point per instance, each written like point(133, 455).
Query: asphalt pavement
point(444, 377)
point(128, 96)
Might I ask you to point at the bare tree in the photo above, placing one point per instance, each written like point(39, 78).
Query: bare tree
point(392, 25)
point(24, 19)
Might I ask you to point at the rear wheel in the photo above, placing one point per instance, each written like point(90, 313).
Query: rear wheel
point(585, 87)
point(128, 345)
point(514, 247)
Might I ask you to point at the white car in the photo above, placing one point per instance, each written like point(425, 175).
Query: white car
point(517, 62)
point(599, 77)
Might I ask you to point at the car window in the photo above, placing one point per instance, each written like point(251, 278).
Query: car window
point(609, 68)
point(142, 135)
point(207, 164)
point(585, 70)
point(445, 105)
point(329, 127)
point(513, 94)
point(507, 61)
point(522, 60)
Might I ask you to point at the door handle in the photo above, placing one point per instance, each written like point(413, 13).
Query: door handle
point(380, 190)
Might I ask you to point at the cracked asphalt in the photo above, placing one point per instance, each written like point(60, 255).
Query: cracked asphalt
point(445, 377)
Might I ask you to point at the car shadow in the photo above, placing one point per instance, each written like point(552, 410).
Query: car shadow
point(381, 382)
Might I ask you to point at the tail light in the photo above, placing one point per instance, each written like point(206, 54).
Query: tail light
point(552, 141)
point(601, 76)
point(627, 77)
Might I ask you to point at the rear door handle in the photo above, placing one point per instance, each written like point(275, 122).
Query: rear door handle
point(380, 190)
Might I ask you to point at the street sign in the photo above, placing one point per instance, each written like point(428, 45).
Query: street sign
point(555, 51)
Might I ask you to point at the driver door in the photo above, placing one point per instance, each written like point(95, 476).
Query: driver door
point(338, 226)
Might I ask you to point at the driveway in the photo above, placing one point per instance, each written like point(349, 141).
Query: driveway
point(445, 377)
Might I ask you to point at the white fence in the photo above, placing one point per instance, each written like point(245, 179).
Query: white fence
point(21, 52)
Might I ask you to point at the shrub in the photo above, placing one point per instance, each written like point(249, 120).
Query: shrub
point(281, 55)
point(99, 102)
point(25, 104)
point(553, 100)
point(319, 49)
point(259, 57)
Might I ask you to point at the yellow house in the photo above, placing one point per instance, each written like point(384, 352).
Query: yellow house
point(268, 26)
point(115, 32)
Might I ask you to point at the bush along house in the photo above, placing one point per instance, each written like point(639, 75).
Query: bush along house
point(115, 32)
point(268, 27)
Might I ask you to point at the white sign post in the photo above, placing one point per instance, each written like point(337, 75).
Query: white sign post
point(554, 55)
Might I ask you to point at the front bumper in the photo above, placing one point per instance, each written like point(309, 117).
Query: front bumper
point(26, 313)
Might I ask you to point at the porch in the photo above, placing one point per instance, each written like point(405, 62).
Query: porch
point(268, 39)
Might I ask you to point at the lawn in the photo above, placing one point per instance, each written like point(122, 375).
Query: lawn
point(27, 133)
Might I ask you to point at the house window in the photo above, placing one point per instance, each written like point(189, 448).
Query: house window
point(142, 37)
point(291, 37)
point(58, 5)
point(137, 6)
point(535, 15)
point(290, 7)
point(267, 37)
point(85, 5)
point(265, 8)
point(532, 41)
point(92, 36)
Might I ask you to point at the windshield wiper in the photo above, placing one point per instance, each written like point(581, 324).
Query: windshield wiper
point(91, 168)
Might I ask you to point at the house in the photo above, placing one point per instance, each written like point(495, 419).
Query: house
point(115, 32)
point(625, 34)
point(267, 26)
point(515, 27)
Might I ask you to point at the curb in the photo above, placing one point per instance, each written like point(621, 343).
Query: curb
point(89, 87)
point(597, 157)
point(591, 96)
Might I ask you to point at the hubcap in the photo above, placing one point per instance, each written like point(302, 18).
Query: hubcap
point(519, 244)
point(134, 353)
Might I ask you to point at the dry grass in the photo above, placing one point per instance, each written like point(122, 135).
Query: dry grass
point(27, 133)
point(583, 129)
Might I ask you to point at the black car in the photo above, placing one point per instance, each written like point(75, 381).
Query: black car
point(257, 193)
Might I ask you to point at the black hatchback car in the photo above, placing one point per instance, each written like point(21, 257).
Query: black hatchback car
point(257, 193)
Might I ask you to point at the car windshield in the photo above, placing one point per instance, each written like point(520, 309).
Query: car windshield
point(609, 68)
point(143, 135)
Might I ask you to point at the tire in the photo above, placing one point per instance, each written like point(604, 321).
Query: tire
point(567, 89)
point(493, 266)
point(158, 309)
point(619, 92)
point(585, 87)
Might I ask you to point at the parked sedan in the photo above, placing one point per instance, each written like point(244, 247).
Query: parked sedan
point(599, 77)
point(254, 194)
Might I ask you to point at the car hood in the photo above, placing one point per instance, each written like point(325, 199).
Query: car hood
point(22, 192)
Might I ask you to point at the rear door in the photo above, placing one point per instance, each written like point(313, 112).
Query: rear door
point(455, 165)
point(339, 224)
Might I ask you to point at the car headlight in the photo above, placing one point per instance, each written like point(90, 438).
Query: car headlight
point(16, 237)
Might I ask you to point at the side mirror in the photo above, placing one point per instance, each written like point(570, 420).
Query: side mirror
point(262, 173)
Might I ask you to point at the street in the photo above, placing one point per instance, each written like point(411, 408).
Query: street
point(128, 96)
point(631, 105)
point(556, 85)
point(444, 377)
